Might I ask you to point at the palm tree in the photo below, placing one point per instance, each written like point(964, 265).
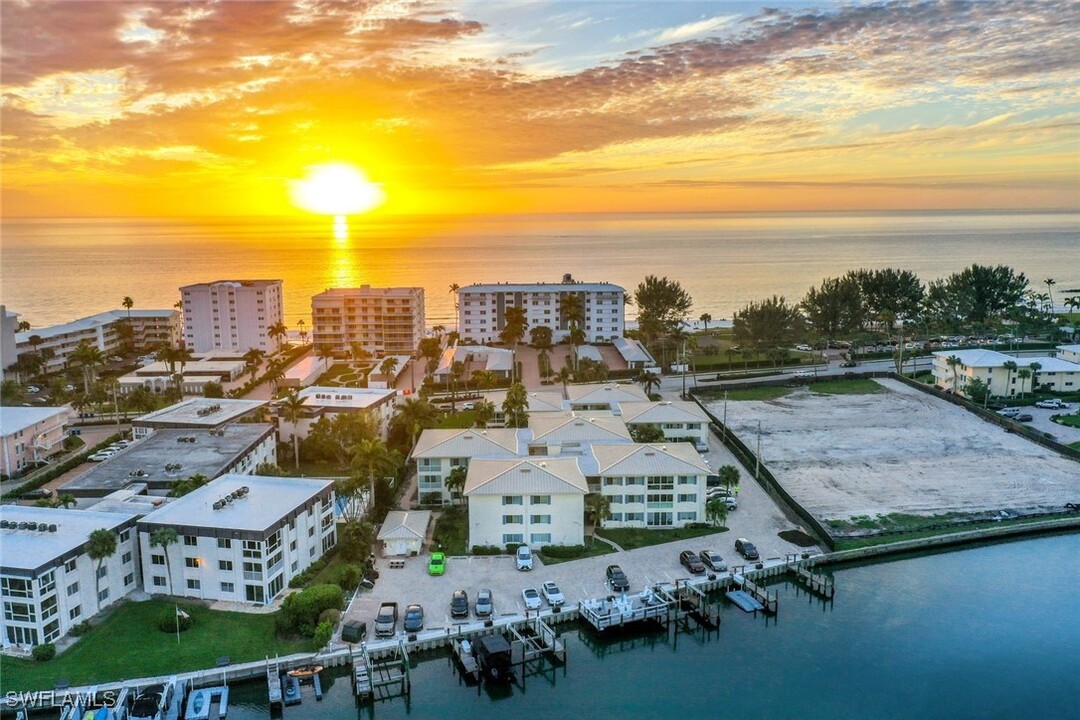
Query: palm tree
point(729, 476)
point(372, 456)
point(292, 409)
point(1050, 283)
point(89, 358)
point(649, 382)
point(576, 337)
point(1023, 374)
point(128, 303)
point(513, 332)
point(439, 329)
point(66, 500)
point(457, 372)
point(1035, 368)
point(275, 373)
point(455, 482)
point(413, 415)
point(484, 379)
point(167, 354)
point(183, 356)
point(516, 407)
point(1011, 367)
point(565, 375)
point(705, 319)
point(253, 358)
point(454, 287)
point(163, 538)
point(716, 511)
point(100, 547)
point(387, 367)
point(572, 309)
point(484, 412)
point(276, 332)
point(597, 509)
point(359, 353)
point(11, 393)
point(23, 326)
point(302, 330)
point(953, 362)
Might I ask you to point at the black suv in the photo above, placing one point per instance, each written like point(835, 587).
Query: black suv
point(746, 548)
point(691, 561)
point(459, 604)
point(617, 579)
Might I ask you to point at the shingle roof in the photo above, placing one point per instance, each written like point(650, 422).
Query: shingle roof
point(661, 412)
point(466, 443)
point(401, 525)
point(649, 459)
point(522, 476)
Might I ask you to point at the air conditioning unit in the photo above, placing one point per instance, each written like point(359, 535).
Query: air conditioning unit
point(32, 526)
point(52, 528)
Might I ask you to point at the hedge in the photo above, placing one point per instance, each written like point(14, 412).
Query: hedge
point(59, 470)
point(568, 552)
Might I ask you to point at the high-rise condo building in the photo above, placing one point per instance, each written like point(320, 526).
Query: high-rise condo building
point(385, 321)
point(232, 315)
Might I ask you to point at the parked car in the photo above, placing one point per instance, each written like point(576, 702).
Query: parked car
point(468, 406)
point(552, 594)
point(459, 604)
point(531, 598)
point(1023, 417)
point(717, 492)
point(386, 620)
point(1009, 412)
point(69, 388)
point(524, 558)
point(729, 502)
point(713, 560)
point(746, 548)
point(33, 389)
point(617, 579)
point(414, 618)
point(689, 560)
point(437, 564)
point(101, 455)
point(849, 363)
point(804, 347)
point(1051, 404)
point(484, 604)
point(803, 374)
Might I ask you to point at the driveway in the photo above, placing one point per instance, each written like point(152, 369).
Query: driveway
point(1043, 423)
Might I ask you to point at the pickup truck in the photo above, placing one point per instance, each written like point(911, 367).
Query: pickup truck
point(386, 620)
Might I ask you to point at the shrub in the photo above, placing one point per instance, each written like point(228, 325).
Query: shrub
point(349, 577)
point(487, 550)
point(331, 616)
point(511, 548)
point(300, 611)
point(170, 620)
point(323, 633)
point(80, 629)
point(44, 652)
point(563, 551)
point(431, 498)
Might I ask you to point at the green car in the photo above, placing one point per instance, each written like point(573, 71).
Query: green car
point(437, 564)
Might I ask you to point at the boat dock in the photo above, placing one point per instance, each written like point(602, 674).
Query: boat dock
point(273, 684)
point(817, 583)
point(382, 678)
point(618, 610)
point(462, 650)
point(769, 601)
point(208, 703)
point(290, 688)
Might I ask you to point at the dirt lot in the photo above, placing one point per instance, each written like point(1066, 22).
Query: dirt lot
point(900, 451)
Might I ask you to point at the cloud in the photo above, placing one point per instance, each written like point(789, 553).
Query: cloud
point(694, 29)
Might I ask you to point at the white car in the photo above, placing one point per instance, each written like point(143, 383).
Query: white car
point(531, 598)
point(1051, 404)
point(552, 594)
point(1009, 412)
point(803, 374)
point(524, 558)
point(804, 347)
point(69, 388)
point(33, 389)
point(469, 406)
point(102, 455)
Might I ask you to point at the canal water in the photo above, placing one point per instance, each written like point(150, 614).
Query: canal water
point(991, 631)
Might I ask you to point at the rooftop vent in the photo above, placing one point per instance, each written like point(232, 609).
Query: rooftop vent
point(218, 504)
point(3, 524)
point(52, 528)
point(649, 454)
point(42, 527)
point(32, 526)
point(23, 525)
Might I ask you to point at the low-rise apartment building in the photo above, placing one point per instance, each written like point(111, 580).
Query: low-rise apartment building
point(29, 435)
point(197, 413)
point(680, 421)
point(995, 369)
point(326, 402)
point(1071, 353)
point(385, 321)
point(232, 315)
point(650, 486)
point(194, 375)
point(604, 396)
point(242, 538)
point(438, 452)
point(482, 309)
point(48, 582)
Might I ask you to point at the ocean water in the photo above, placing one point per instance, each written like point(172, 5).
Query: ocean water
point(55, 270)
point(985, 632)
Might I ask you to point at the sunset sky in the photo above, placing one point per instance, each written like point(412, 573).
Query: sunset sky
point(212, 108)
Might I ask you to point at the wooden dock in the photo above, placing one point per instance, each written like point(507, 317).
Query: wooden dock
point(469, 667)
point(383, 678)
point(617, 610)
point(817, 583)
point(770, 601)
point(695, 603)
point(534, 641)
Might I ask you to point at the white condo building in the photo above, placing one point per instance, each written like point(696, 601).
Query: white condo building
point(9, 323)
point(989, 366)
point(385, 321)
point(482, 309)
point(232, 315)
point(47, 581)
point(30, 434)
point(242, 538)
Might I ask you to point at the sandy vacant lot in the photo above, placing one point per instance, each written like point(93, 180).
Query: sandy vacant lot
point(899, 451)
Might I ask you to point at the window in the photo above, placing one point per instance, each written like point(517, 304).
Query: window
point(612, 481)
point(19, 612)
point(225, 565)
point(512, 500)
point(125, 536)
point(193, 584)
point(48, 607)
point(227, 587)
point(191, 540)
point(513, 538)
point(224, 543)
point(191, 562)
point(75, 612)
point(47, 583)
point(540, 538)
point(292, 546)
point(311, 531)
point(72, 589)
point(513, 519)
point(616, 499)
point(157, 559)
point(159, 581)
point(687, 497)
point(295, 564)
point(125, 558)
point(540, 519)
point(688, 516)
point(16, 587)
point(635, 517)
point(103, 595)
point(540, 500)
point(102, 571)
point(70, 565)
point(634, 499)
point(129, 579)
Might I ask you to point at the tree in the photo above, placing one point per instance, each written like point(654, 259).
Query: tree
point(253, 358)
point(454, 287)
point(275, 372)
point(371, 457)
point(649, 381)
point(646, 433)
point(1035, 368)
point(183, 486)
point(484, 412)
point(292, 409)
point(564, 376)
point(888, 293)
point(457, 372)
point(540, 337)
point(597, 509)
point(184, 355)
point(977, 391)
point(163, 538)
point(455, 482)
point(571, 309)
point(1050, 283)
point(834, 308)
point(431, 349)
point(128, 303)
point(11, 393)
point(325, 353)
point(213, 390)
point(23, 326)
point(100, 547)
point(333, 438)
point(409, 419)
point(953, 362)
point(66, 500)
point(980, 293)
point(302, 331)
point(125, 333)
point(767, 326)
point(729, 476)
point(484, 379)
point(387, 368)
point(716, 511)
point(89, 358)
point(359, 353)
point(1023, 374)
point(516, 407)
point(277, 331)
point(513, 332)
point(705, 319)
point(576, 338)
point(662, 305)
point(1011, 366)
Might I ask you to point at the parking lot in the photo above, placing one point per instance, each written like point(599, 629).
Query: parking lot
point(1042, 423)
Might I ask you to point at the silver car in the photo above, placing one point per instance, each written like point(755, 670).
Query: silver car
point(484, 605)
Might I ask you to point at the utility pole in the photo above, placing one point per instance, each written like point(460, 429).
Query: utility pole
point(724, 437)
point(757, 465)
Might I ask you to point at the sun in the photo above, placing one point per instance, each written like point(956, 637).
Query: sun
point(336, 189)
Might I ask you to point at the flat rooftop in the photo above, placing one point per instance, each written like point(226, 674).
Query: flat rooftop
point(551, 287)
point(366, 291)
point(199, 412)
point(268, 500)
point(344, 398)
point(93, 321)
point(14, 419)
point(34, 549)
point(210, 455)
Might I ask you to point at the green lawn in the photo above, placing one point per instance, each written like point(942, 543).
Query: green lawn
point(1075, 445)
point(759, 393)
point(1068, 420)
point(451, 532)
point(847, 387)
point(128, 644)
point(593, 548)
point(458, 421)
point(854, 543)
point(632, 538)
